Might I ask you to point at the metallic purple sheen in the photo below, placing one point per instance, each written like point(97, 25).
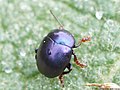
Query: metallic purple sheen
point(62, 37)
point(55, 52)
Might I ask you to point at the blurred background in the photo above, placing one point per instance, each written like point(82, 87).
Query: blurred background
point(24, 23)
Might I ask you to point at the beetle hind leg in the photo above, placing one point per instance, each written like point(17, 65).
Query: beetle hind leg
point(61, 80)
point(69, 67)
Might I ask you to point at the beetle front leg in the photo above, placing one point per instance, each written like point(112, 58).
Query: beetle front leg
point(83, 40)
point(77, 62)
point(69, 67)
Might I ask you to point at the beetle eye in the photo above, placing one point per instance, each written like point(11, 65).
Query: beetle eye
point(49, 52)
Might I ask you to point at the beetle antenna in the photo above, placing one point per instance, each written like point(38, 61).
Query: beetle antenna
point(56, 19)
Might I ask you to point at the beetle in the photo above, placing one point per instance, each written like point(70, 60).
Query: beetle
point(54, 53)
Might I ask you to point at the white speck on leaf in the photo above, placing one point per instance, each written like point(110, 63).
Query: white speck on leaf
point(30, 42)
point(7, 69)
point(23, 53)
point(99, 15)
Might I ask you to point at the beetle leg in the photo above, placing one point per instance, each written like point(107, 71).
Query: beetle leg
point(36, 50)
point(77, 62)
point(83, 40)
point(36, 53)
point(69, 67)
point(61, 80)
point(36, 57)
